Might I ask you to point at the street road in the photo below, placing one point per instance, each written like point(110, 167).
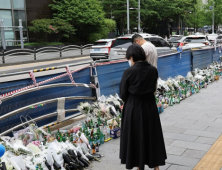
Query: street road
point(40, 65)
point(42, 56)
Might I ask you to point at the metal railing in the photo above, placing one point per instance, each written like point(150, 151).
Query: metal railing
point(37, 53)
point(44, 116)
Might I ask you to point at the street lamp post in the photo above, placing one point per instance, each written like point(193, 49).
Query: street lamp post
point(213, 18)
point(138, 16)
point(128, 16)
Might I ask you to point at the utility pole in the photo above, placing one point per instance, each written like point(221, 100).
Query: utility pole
point(2, 34)
point(213, 18)
point(138, 16)
point(21, 33)
point(127, 16)
point(181, 28)
point(179, 24)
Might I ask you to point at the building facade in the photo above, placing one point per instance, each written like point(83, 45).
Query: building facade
point(26, 10)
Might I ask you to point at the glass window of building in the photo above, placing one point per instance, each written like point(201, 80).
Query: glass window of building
point(18, 14)
point(7, 18)
point(5, 4)
point(18, 4)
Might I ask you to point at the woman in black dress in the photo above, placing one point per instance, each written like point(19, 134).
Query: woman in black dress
point(142, 140)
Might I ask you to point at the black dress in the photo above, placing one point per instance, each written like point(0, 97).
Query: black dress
point(141, 140)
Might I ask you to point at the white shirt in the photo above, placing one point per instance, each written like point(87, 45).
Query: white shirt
point(151, 53)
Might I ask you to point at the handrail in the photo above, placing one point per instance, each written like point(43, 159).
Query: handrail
point(42, 54)
point(14, 56)
point(87, 45)
point(39, 118)
point(46, 101)
point(45, 87)
point(68, 46)
point(39, 49)
point(24, 49)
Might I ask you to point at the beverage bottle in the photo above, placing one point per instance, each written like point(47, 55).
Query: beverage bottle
point(74, 137)
point(71, 138)
point(37, 168)
point(40, 167)
point(58, 134)
point(97, 147)
point(99, 121)
point(45, 140)
point(171, 101)
point(49, 131)
point(108, 132)
point(91, 123)
point(64, 138)
point(93, 149)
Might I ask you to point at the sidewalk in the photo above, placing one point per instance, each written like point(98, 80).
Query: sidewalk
point(190, 129)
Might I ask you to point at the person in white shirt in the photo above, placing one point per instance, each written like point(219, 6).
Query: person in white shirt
point(149, 48)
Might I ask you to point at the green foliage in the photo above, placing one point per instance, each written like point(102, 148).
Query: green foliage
point(118, 10)
point(78, 12)
point(94, 37)
point(197, 16)
point(51, 26)
point(152, 11)
point(87, 16)
point(107, 26)
point(110, 24)
point(217, 12)
point(41, 25)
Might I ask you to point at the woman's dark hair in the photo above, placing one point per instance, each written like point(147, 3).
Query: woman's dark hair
point(137, 52)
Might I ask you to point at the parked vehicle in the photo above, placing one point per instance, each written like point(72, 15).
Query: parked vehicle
point(219, 39)
point(199, 33)
point(101, 49)
point(193, 41)
point(119, 47)
point(212, 38)
point(174, 38)
point(176, 42)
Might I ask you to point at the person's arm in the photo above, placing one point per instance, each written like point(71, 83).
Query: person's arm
point(124, 85)
point(156, 81)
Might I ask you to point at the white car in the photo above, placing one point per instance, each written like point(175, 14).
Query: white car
point(194, 41)
point(212, 38)
point(121, 44)
point(101, 49)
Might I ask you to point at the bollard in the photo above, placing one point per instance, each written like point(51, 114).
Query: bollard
point(3, 56)
point(60, 51)
point(34, 53)
point(81, 49)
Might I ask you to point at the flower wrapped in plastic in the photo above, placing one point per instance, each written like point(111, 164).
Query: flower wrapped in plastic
point(84, 108)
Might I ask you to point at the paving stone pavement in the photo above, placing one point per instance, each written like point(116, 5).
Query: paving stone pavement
point(189, 128)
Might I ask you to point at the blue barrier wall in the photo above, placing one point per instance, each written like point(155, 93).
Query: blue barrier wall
point(38, 96)
point(174, 65)
point(216, 54)
point(201, 58)
point(110, 76)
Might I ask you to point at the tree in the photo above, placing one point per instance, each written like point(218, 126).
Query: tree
point(152, 12)
point(87, 16)
point(119, 12)
point(217, 13)
point(197, 16)
point(107, 26)
point(51, 26)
